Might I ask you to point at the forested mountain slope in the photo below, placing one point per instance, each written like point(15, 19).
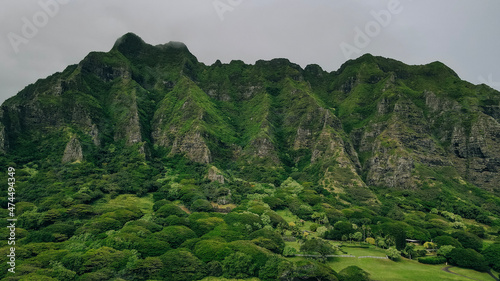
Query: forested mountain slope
point(144, 143)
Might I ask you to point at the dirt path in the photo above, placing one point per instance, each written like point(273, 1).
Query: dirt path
point(447, 269)
point(493, 276)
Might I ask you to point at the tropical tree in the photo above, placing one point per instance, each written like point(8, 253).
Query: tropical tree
point(393, 253)
point(353, 273)
point(492, 256)
point(444, 250)
point(317, 245)
point(238, 265)
point(409, 251)
point(358, 236)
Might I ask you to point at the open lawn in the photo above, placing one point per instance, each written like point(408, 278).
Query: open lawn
point(387, 270)
point(404, 269)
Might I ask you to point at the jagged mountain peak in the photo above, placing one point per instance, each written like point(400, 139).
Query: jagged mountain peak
point(129, 41)
point(173, 44)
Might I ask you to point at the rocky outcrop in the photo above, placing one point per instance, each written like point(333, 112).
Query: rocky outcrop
point(3, 138)
point(263, 148)
point(215, 175)
point(477, 152)
point(193, 146)
point(94, 134)
point(73, 151)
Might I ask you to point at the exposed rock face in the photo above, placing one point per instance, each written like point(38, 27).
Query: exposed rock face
point(73, 151)
point(302, 139)
point(193, 145)
point(131, 130)
point(215, 174)
point(3, 139)
point(263, 148)
point(94, 134)
point(477, 153)
point(391, 167)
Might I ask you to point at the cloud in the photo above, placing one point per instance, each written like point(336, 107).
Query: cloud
point(459, 33)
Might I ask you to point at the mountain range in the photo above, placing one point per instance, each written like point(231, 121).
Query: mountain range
point(374, 122)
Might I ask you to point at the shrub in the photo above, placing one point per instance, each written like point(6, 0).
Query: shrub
point(274, 203)
point(339, 229)
point(122, 215)
point(201, 205)
point(370, 240)
point(274, 268)
point(468, 240)
point(311, 270)
point(61, 228)
point(174, 220)
point(468, 258)
point(238, 265)
point(313, 227)
point(213, 268)
point(205, 225)
point(211, 250)
point(151, 226)
point(430, 245)
point(393, 253)
point(259, 255)
point(147, 268)
point(447, 240)
point(289, 251)
point(228, 233)
point(181, 265)
point(319, 246)
point(492, 256)
point(246, 218)
point(39, 236)
point(104, 257)
point(353, 273)
point(271, 235)
point(175, 235)
point(159, 204)
point(170, 209)
point(151, 247)
point(445, 250)
point(432, 260)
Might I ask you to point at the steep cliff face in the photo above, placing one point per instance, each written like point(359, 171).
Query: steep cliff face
point(73, 152)
point(375, 122)
point(476, 151)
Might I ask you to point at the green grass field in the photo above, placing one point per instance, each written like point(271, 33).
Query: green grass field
point(387, 270)
point(404, 269)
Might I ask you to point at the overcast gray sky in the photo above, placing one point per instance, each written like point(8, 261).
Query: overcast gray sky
point(40, 37)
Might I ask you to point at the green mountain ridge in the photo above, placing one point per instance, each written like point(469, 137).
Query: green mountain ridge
point(381, 116)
